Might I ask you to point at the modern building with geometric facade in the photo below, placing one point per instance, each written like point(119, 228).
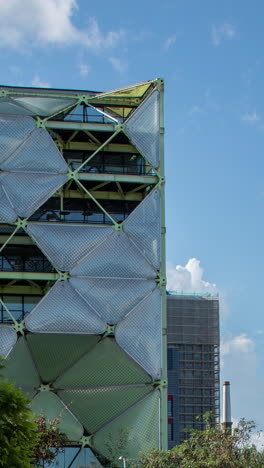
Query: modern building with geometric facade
point(193, 362)
point(82, 262)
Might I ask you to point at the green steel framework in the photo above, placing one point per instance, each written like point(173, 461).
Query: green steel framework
point(112, 106)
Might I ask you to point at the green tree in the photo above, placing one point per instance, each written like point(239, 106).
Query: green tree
point(210, 448)
point(18, 431)
point(25, 441)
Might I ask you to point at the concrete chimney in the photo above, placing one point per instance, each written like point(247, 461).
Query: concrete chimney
point(227, 423)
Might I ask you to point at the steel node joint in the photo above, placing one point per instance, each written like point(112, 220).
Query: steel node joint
point(160, 383)
point(71, 175)
point(161, 180)
point(86, 440)
point(3, 93)
point(45, 388)
point(63, 276)
point(110, 330)
point(163, 383)
point(118, 227)
point(161, 280)
point(83, 99)
point(40, 123)
point(22, 223)
point(19, 327)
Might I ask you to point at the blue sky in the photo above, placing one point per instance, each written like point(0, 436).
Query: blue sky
point(210, 54)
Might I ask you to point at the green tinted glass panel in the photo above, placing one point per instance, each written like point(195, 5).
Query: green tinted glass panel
point(105, 365)
point(50, 405)
point(20, 367)
point(95, 407)
point(140, 423)
point(55, 353)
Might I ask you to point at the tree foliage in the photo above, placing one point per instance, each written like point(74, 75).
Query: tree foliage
point(18, 431)
point(50, 441)
point(25, 441)
point(210, 448)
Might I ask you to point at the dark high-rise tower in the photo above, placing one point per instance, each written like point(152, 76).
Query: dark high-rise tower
point(193, 361)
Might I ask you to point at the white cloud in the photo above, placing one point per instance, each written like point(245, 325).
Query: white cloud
point(169, 42)
point(239, 365)
point(117, 64)
point(189, 278)
point(84, 69)
point(37, 82)
point(196, 110)
point(225, 31)
point(237, 345)
point(39, 23)
point(251, 118)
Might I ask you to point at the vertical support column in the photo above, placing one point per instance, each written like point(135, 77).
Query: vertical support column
point(163, 390)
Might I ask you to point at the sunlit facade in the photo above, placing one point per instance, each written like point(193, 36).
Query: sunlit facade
point(82, 263)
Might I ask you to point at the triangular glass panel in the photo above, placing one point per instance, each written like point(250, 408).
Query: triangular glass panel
point(14, 129)
point(8, 339)
point(140, 334)
point(7, 213)
point(139, 424)
point(65, 245)
point(53, 354)
point(94, 407)
point(103, 261)
point(108, 366)
point(63, 310)
point(38, 153)
point(143, 128)
point(143, 227)
point(21, 369)
point(10, 106)
point(112, 298)
point(28, 191)
point(76, 457)
point(44, 106)
point(50, 406)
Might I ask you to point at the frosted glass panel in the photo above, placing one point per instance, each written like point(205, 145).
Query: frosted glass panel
point(37, 153)
point(117, 257)
point(52, 407)
point(143, 128)
point(112, 298)
point(28, 191)
point(43, 106)
point(7, 214)
point(108, 366)
point(65, 245)
point(140, 333)
point(94, 407)
point(21, 368)
point(143, 227)
point(63, 310)
point(13, 131)
point(10, 106)
point(8, 338)
point(54, 353)
point(140, 425)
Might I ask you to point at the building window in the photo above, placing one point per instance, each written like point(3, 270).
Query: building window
point(170, 431)
point(170, 406)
